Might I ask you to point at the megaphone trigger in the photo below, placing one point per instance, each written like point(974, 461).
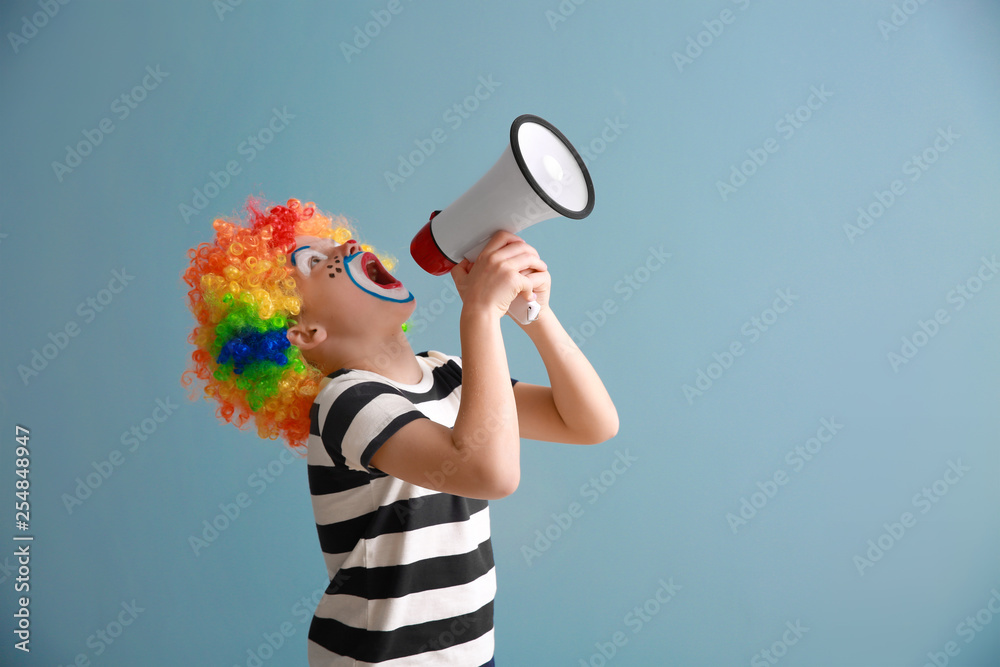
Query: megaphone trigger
point(524, 311)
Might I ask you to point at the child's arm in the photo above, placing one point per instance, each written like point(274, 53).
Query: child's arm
point(480, 456)
point(576, 409)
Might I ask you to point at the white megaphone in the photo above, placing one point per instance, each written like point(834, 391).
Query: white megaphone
point(539, 176)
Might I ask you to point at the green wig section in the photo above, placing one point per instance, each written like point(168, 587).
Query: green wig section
point(253, 352)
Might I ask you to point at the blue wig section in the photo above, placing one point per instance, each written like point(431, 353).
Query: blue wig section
point(255, 346)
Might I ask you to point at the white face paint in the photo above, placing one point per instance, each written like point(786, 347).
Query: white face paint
point(367, 272)
point(306, 257)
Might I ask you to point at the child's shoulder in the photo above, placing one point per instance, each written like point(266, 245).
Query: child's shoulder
point(339, 380)
point(440, 358)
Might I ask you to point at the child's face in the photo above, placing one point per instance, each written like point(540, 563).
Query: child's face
point(346, 287)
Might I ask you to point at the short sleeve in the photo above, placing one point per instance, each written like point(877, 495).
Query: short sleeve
point(360, 416)
point(457, 360)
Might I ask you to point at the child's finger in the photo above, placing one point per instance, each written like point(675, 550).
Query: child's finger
point(527, 288)
point(528, 261)
point(462, 268)
point(505, 244)
point(498, 241)
point(537, 278)
point(516, 250)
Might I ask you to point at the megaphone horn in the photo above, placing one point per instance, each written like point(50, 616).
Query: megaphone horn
point(539, 176)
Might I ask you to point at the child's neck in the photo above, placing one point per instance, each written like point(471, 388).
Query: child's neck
point(391, 357)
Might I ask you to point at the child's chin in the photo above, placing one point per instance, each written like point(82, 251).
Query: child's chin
point(408, 308)
point(394, 312)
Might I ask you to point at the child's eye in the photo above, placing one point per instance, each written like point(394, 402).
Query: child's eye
point(305, 258)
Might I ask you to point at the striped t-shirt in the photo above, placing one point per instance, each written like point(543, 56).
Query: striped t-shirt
point(411, 570)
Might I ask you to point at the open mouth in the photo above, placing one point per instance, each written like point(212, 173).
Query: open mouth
point(378, 273)
point(370, 275)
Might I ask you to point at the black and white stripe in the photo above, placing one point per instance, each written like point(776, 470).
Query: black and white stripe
point(411, 569)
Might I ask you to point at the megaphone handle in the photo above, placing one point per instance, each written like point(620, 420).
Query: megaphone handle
point(524, 311)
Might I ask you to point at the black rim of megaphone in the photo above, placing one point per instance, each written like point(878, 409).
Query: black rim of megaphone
point(516, 149)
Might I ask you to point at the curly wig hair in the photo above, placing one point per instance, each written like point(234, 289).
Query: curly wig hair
point(243, 296)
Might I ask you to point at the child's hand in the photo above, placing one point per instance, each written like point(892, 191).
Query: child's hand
point(506, 267)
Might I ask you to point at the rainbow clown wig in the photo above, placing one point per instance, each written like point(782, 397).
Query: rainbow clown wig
point(244, 298)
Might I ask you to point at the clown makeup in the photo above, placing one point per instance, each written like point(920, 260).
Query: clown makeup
point(363, 268)
point(305, 258)
point(368, 273)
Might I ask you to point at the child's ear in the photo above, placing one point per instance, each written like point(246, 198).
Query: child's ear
point(305, 336)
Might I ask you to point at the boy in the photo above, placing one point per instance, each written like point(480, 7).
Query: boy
point(404, 450)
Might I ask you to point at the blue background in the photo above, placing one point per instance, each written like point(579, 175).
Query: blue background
point(661, 133)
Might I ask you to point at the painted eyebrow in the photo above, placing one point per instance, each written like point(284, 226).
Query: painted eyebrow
point(295, 252)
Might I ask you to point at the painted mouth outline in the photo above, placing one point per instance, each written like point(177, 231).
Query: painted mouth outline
point(369, 270)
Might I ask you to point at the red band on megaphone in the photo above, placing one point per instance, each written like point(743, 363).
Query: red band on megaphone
point(425, 251)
